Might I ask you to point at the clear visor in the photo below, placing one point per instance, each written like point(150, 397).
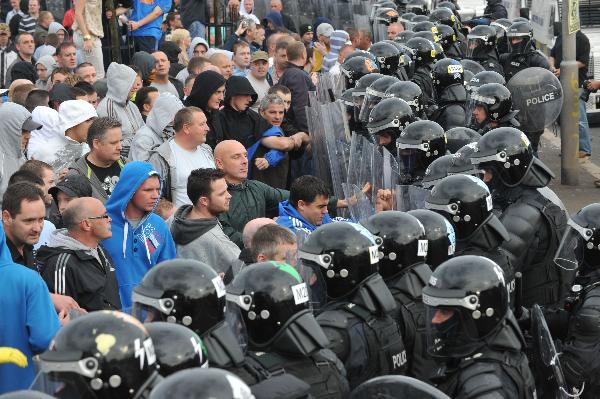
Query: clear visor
point(313, 269)
point(394, 124)
point(372, 98)
point(450, 209)
point(359, 99)
point(569, 254)
point(63, 386)
point(235, 319)
point(379, 30)
point(499, 157)
point(475, 46)
point(448, 334)
point(410, 162)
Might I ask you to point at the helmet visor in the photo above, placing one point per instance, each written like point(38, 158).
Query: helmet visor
point(569, 254)
point(359, 99)
point(449, 332)
point(147, 309)
point(475, 47)
point(63, 385)
point(235, 319)
point(372, 98)
point(310, 268)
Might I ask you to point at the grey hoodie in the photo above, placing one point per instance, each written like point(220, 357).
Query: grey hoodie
point(153, 134)
point(61, 239)
point(49, 62)
point(203, 240)
point(116, 104)
point(12, 117)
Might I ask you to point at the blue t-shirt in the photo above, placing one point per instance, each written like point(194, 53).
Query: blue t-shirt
point(141, 8)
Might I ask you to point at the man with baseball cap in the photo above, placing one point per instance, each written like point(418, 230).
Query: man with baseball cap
point(259, 75)
point(72, 186)
point(324, 31)
point(306, 34)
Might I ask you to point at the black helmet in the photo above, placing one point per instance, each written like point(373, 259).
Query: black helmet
point(419, 7)
point(495, 99)
point(507, 152)
point(177, 347)
point(423, 51)
point(426, 26)
point(396, 387)
point(183, 291)
point(404, 36)
point(461, 163)
point(580, 245)
point(363, 53)
point(270, 302)
point(473, 66)
point(357, 67)
point(202, 383)
point(104, 354)
point(406, 21)
point(462, 199)
point(447, 72)
point(346, 98)
point(386, 15)
point(484, 77)
point(424, 34)
point(25, 395)
point(460, 136)
point(374, 94)
point(404, 243)
point(341, 255)
point(409, 92)
point(390, 116)
point(443, 16)
point(360, 91)
point(481, 40)
point(388, 57)
point(419, 18)
point(466, 301)
point(418, 145)
point(440, 236)
point(447, 4)
point(520, 30)
point(501, 26)
point(447, 36)
point(437, 170)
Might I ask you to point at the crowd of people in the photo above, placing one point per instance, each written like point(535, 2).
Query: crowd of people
point(168, 231)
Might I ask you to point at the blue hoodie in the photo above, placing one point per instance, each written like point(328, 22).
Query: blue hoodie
point(29, 321)
point(135, 251)
point(292, 219)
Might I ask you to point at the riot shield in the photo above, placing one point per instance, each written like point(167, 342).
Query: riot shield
point(360, 173)
point(549, 373)
point(537, 95)
point(396, 387)
point(410, 197)
point(385, 173)
point(320, 160)
point(336, 132)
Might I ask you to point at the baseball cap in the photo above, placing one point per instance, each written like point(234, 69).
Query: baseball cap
point(30, 125)
point(305, 29)
point(259, 55)
point(325, 29)
point(73, 185)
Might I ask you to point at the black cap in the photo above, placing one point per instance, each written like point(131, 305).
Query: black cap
point(73, 185)
point(305, 29)
point(61, 92)
point(30, 125)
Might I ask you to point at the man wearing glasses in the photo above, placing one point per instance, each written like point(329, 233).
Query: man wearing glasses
point(74, 263)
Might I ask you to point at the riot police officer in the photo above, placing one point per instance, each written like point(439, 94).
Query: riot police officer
point(580, 249)
point(202, 383)
point(412, 94)
point(176, 347)
point(387, 120)
point(523, 53)
point(105, 354)
point(270, 307)
point(402, 266)
point(354, 305)
point(481, 47)
point(419, 144)
point(472, 329)
point(450, 94)
point(437, 170)
point(467, 204)
point(191, 293)
point(535, 223)
point(423, 56)
point(356, 67)
point(450, 42)
point(359, 93)
point(481, 78)
point(501, 25)
point(387, 56)
point(440, 235)
point(491, 107)
point(374, 94)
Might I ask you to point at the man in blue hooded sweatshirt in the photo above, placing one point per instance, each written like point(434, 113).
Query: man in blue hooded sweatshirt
point(306, 209)
point(29, 321)
point(140, 238)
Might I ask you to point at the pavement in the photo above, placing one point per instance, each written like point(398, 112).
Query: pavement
point(574, 197)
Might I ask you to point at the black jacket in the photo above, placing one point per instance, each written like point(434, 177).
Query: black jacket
point(495, 10)
point(423, 78)
point(78, 274)
point(514, 63)
point(205, 85)
point(299, 83)
point(451, 104)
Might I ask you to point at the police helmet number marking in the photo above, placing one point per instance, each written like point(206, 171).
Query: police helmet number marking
point(300, 293)
point(374, 254)
point(145, 350)
point(422, 247)
point(452, 69)
point(219, 286)
point(488, 200)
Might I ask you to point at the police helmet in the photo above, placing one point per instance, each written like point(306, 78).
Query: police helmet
point(409, 92)
point(447, 72)
point(390, 116)
point(437, 170)
point(460, 136)
point(388, 57)
point(440, 235)
point(202, 383)
point(423, 51)
point(356, 67)
point(481, 40)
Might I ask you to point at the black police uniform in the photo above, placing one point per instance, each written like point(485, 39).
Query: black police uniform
point(422, 77)
point(495, 10)
point(451, 107)
point(513, 63)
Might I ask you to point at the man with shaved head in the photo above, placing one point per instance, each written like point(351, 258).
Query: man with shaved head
point(224, 63)
point(247, 255)
point(74, 263)
point(163, 82)
point(250, 199)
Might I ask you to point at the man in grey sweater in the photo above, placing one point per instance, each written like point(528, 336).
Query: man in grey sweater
point(196, 229)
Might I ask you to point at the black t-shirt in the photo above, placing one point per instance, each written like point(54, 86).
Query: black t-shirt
point(27, 259)
point(109, 177)
point(582, 54)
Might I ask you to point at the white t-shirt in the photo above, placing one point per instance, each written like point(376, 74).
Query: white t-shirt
point(185, 162)
point(261, 87)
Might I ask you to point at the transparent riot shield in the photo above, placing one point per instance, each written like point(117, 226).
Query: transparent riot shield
point(537, 95)
point(320, 160)
point(410, 197)
point(359, 175)
point(385, 174)
point(396, 387)
point(549, 372)
point(336, 134)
